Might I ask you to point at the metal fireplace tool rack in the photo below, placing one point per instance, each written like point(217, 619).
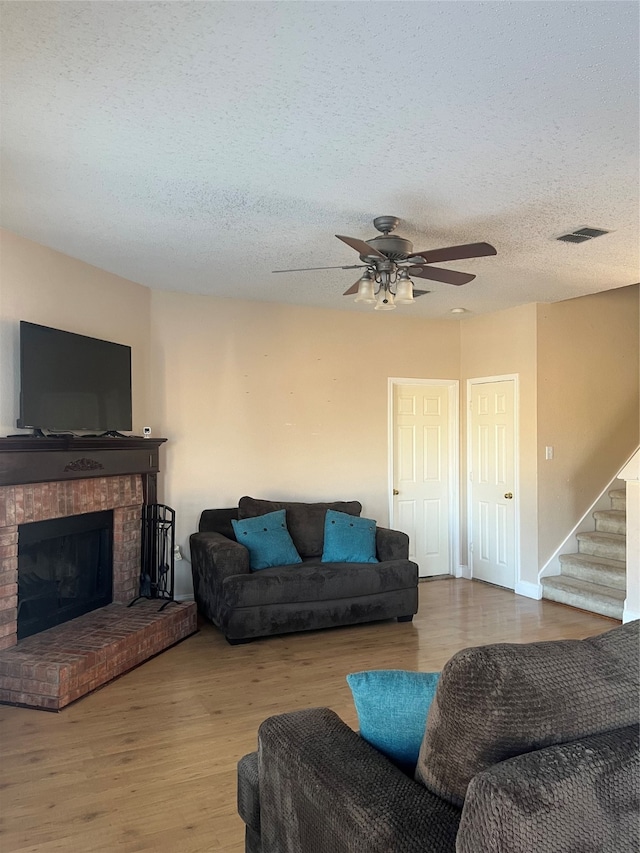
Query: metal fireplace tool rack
point(157, 573)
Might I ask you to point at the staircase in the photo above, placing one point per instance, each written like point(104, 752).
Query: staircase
point(594, 579)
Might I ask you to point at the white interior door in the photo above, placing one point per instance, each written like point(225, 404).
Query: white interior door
point(421, 478)
point(492, 481)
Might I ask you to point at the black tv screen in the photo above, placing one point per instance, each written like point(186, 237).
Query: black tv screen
point(72, 382)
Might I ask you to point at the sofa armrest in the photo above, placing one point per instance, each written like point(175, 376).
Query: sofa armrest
point(576, 796)
point(324, 788)
point(391, 544)
point(213, 553)
point(214, 557)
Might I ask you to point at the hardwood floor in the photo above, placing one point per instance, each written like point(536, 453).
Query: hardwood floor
point(148, 762)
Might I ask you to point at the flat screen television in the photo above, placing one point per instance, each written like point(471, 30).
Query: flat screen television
point(72, 382)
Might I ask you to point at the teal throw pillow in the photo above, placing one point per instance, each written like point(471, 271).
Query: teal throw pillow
point(392, 707)
point(268, 540)
point(348, 538)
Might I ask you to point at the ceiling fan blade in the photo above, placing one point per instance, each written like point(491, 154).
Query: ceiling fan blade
point(353, 289)
point(306, 269)
point(361, 247)
point(417, 292)
point(456, 253)
point(438, 274)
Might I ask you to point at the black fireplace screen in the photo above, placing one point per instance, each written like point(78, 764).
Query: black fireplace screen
point(158, 543)
point(64, 569)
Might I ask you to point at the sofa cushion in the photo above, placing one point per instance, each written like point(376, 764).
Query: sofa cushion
point(305, 521)
point(267, 539)
point(495, 702)
point(313, 581)
point(576, 797)
point(348, 539)
point(218, 521)
point(392, 707)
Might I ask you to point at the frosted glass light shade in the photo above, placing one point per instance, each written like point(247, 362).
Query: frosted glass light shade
point(366, 292)
point(404, 288)
point(385, 300)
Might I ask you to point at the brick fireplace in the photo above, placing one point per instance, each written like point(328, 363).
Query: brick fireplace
point(56, 666)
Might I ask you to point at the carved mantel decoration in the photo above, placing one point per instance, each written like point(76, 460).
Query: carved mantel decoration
point(84, 464)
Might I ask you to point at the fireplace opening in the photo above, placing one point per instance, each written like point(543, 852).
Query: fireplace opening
point(65, 569)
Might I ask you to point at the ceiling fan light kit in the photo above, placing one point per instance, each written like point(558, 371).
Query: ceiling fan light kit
point(385, 300)
point(390, 261)
point(366, 289)
point(404, 288)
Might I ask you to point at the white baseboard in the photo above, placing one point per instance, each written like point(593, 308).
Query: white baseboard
point(463, 572)
point(629, 615)
point(529, 590)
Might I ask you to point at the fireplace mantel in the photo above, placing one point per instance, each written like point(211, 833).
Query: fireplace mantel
point(26, 459)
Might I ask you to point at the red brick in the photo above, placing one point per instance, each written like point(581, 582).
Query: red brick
point(3, 507)
point(18, 502)
point(8, 617)
point(8, 572)
point(29, 508)
point(10, 601)
point(8, 629)
point(9, 535)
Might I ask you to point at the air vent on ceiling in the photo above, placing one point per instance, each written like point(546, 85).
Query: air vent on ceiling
point(581, 235)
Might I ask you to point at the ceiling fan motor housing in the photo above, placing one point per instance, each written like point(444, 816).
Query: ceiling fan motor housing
point(394, 247)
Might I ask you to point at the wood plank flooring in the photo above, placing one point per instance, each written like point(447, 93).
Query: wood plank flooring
point(148, 762)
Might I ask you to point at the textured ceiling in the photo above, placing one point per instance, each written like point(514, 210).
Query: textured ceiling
point(197, 146)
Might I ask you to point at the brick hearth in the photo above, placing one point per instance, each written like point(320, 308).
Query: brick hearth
point(57, 666)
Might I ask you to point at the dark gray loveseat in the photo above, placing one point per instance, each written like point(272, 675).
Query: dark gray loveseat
point(300, 597)
point(528, 749)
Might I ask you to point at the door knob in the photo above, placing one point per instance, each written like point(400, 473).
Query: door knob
point(396, 492)
point(508, 495)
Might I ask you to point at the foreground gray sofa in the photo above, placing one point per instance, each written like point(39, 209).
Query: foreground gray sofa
point(528, 748)
point(300, 597)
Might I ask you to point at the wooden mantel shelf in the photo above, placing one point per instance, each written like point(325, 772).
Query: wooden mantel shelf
point(26, 459)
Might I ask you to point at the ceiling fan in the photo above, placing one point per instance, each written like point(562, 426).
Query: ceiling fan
point(389, 262)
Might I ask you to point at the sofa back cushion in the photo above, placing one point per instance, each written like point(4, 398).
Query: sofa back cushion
point(496, 702)
point(305, 521)
point(218, 521)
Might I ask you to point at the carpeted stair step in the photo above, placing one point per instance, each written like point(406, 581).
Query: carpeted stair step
point(611, 521)
point(610, 545)
point(618, 498)
point(597, 570)
point(584, 595)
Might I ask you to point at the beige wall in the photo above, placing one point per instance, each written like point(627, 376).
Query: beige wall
point(587, 377)
point(291, 402)
point(497, 345)
point(43, 286)
point(281, 401)
point(577, 363)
